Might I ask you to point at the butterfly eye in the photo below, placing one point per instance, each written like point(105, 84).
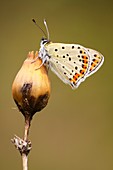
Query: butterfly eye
point(44, 41)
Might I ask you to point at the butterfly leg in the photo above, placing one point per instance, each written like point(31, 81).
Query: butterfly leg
point(39, 66)
point(35, 60)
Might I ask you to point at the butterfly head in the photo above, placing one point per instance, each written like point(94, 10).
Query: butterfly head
point(42, 52)
point(44, 41)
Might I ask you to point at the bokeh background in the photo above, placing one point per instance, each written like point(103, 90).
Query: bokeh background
point(75, 130)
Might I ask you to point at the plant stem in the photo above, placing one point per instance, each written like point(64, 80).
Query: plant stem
point(25, 161)
point(26, 133)
point(24, 145)
point(27, 127)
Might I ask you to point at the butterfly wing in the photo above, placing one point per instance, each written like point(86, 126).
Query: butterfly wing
point(96, 60)
point(70, 62)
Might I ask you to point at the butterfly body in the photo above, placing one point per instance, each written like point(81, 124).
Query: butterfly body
point(72, 63)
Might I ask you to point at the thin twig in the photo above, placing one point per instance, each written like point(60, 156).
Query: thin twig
point(25, 161)
point(25, 154)
point(23, 145)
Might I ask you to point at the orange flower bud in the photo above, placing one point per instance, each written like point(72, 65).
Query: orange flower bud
point(31, 87)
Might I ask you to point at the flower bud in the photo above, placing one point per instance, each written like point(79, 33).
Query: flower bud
point(31, 87)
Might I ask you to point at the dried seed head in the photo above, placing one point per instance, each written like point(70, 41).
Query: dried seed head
point(31, 87)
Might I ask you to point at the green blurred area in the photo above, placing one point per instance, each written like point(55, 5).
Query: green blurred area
point(75, 130)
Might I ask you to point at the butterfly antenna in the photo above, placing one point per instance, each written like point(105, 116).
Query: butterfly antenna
point(47, 30)
point(40, 28)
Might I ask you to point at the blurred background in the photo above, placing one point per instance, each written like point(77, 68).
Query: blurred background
point(75, 130)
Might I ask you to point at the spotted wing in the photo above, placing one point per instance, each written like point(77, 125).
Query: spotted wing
point(96, 61)
point(70, 62)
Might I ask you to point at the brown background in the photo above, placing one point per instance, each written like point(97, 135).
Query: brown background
point(75, 130)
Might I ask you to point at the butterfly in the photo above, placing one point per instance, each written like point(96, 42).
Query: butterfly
point(72, 63)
